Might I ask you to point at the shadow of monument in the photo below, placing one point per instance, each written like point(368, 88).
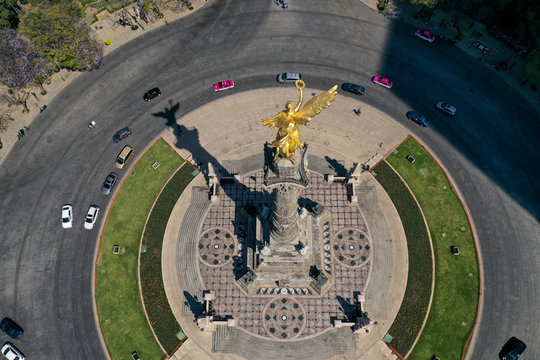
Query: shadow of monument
point(196, 306)
point(338, 167)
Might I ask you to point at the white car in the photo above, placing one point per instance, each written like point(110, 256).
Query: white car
point(67, 216)
point(10, 352)
point(91, 217)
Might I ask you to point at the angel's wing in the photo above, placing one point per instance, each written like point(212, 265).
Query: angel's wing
point(315, 105)
point(279, 120)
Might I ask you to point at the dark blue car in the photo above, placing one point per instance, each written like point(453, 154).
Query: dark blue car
point(418, 118)
point(11, 328)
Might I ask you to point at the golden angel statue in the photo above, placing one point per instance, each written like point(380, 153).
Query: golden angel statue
point(288, 136)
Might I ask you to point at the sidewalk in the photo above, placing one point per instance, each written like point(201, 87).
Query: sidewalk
point(106, 28)
point(440, 24)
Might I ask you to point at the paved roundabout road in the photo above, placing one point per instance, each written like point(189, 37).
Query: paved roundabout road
point(489, 150)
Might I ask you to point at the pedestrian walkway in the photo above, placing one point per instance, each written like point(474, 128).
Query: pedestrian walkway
point(106, 28)
point(339, 135)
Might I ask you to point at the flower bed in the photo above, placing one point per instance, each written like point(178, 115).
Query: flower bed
point(412, 312)
point(157, 307)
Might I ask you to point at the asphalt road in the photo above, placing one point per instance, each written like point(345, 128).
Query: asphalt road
point(489, 149)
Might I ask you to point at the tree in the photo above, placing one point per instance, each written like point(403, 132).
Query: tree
point(18, 97)
point(60, 34)
point(9, 14)
point(19, 63)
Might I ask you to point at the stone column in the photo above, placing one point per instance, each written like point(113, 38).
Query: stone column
point(285, 213)
point(286, 178)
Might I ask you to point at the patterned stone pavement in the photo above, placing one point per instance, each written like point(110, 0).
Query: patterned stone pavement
point(300, 313)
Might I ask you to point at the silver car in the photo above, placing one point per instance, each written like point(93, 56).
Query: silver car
point(10, 352)
point(288, 77)
point(109, 183)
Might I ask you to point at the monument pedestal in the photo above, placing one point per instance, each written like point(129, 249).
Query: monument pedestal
point(284, 250)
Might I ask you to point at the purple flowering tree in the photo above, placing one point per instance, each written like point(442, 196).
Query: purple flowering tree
point(20, 66)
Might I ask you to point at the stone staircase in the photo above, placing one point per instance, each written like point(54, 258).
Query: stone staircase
point(187, 245)
point(334, 342)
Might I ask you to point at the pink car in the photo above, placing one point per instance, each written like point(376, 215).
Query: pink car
point(425, 35)
point(387, 83)
point(223, 85)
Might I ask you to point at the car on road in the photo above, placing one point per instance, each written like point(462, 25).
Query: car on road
point(223, 85)
point(513, 349)
point(10, 352)
point(91, 217)
point(418, 118)
point(446, 108)
point(353, 88)
point(425, 35)
point(152, 93)
point(288, 77)
point(11, 328)
point(121, 134)
point(67, 216)
point(109, 183)
point(387, 83)
point(124, 156)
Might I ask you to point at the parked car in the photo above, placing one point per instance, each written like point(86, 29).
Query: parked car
point(288, 77)
point(446, 108)
point(121, 134)
point(67, 216)
point(425, 35)
point(91, 217)
point(513, 349)
point(223, 85)
point(109, 183)
point(124, 156)
point(418, 118)
point(10, 352)
point(152, 93)
point(353, 88)
point(387, 83)
point(11, 328)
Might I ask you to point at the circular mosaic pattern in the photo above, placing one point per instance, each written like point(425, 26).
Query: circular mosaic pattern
point(216, 247)
point(284, 318)
point(351, 247)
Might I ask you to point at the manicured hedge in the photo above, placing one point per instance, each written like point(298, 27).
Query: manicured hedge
point(412, 312)
point(157, 306)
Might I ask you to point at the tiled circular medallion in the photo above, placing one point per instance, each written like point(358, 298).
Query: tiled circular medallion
point(284, 318)
point(216, 247)
point(351, 247)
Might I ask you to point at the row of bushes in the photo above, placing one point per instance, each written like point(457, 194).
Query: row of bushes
point(413, 310)
point(157, 306)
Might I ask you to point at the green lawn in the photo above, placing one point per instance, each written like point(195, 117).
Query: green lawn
point(413, 309)
point(122, 320)
point(455, 301)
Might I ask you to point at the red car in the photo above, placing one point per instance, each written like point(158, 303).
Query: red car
point(387, 83)
point(223, 85)
point(425, 35)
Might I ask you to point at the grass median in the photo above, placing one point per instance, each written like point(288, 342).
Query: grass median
point(455, 299)
point(121, 316)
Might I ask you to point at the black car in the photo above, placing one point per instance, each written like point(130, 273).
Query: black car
point(353, 88)
point(513, 349)
point(152, 93)
point(108, 184)
point(121, 134)
point(418, 118)
point(11, 328)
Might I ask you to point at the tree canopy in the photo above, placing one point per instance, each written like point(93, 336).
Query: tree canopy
point(60, 34)
point(20, 64)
